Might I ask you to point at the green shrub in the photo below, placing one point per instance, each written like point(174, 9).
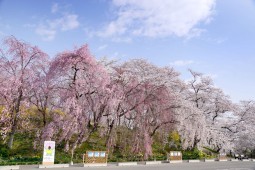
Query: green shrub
point(62, 157)
point(4, 152)
point(190, 154)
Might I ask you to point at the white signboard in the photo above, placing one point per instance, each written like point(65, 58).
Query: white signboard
point(102, 154)
point(96, 154)
point(176, 154)
point(49, 152)
point(90, 154)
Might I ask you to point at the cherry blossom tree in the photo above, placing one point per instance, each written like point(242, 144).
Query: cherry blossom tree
point(210, 106)
point(18, 64)
point(43, 91)
point(146, 100)
point(84, 95)
point(76, 95)
point(244, 127)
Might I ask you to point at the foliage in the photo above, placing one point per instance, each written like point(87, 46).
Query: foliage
point(190, 154)
point(134, 110)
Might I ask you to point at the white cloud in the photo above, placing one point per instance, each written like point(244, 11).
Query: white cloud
point(45, 33)
point(65, 23)
point(102, 47)
point(49, 28)
point(181, 63)
point(54, 8)
point(122, 39)
point(69, 22)
point(159, 18)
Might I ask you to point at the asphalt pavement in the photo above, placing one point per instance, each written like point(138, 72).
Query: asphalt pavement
point(228, 165)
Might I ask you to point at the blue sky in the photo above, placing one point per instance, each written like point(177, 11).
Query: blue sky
point(215, 37)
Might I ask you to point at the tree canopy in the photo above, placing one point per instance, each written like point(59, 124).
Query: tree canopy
point(68, 97)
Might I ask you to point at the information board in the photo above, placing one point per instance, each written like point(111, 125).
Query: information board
point(95, 157)
point(222, 156)
point(175, 155)
point(48, 153)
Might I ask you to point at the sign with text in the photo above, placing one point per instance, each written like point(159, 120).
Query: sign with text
point(175, 155)
point(95, 157)
point(222, 156)
point(48, 152)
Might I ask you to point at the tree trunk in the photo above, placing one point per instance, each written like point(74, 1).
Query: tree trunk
point(43, 113)
point(196, 141)
point(11, 136)
point(11, 140)
point(15, 113)
point(13, 129)
point(109, 133)
point(72, 151)
point(44, 118)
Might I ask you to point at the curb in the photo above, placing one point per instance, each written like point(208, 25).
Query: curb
point(54, 166)
point(9, 167)
point(94, 164)
point(177, 161)
point(194, 161)
point(149, 163)
point(126, 163)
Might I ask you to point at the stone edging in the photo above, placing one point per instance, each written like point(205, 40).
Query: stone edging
point(9, 167)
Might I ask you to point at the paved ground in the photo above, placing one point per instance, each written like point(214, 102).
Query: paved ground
point(166, 166)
